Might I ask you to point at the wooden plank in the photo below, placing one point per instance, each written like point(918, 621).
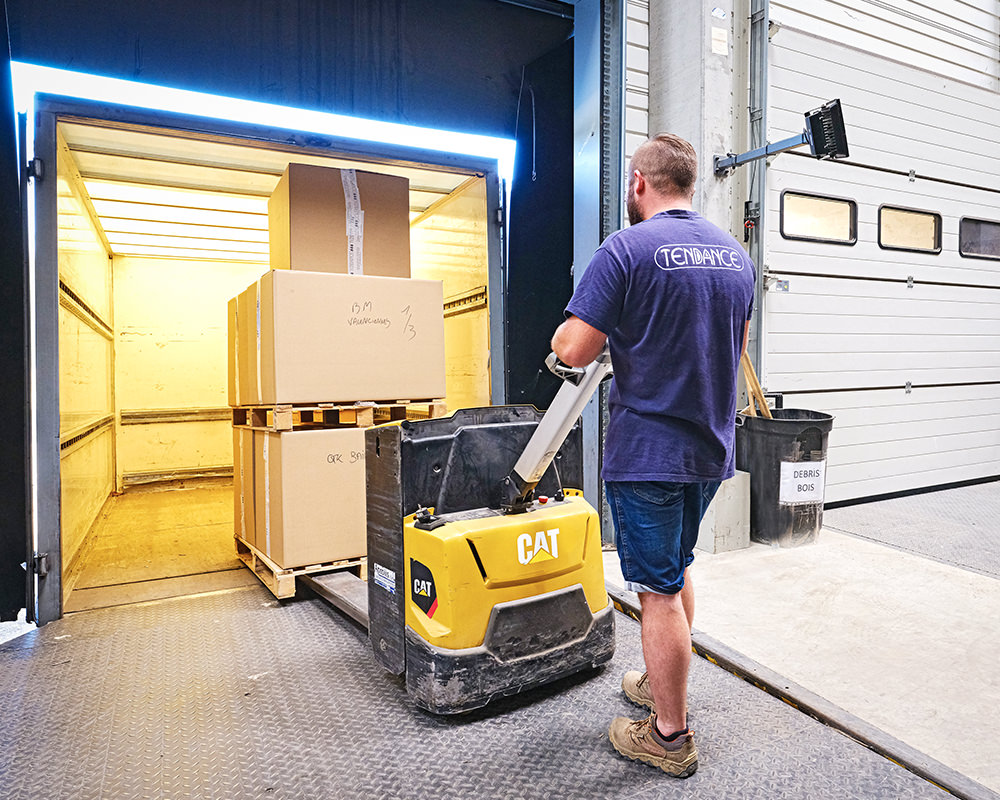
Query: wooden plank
point(753, 389)
point(333, 415)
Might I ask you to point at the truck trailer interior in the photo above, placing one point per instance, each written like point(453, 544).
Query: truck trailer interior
point(157, 228)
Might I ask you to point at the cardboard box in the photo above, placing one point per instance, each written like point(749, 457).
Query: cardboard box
point(310, 496)
point(309, 337)
point(322, 219)
point(233, 380)
point(242, 348)
point(243, 484)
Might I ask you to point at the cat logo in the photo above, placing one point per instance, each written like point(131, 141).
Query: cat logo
point(543, 546)
point(422, 588)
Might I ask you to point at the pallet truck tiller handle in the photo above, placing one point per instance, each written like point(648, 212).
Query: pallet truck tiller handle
point(579, 385)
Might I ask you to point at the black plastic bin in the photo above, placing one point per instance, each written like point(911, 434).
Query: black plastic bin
point(786, 459)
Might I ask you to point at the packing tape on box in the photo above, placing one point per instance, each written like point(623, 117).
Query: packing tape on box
point(267, 499)
point(260, 397)
point(355, 222)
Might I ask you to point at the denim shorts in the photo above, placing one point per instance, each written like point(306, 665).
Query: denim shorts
point(656, 526)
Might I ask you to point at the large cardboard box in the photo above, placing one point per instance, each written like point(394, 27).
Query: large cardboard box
point(322, 219)
point(310, 496)
point(233, 380)
point(242, 327)
point(309, 337)
point(243, 485)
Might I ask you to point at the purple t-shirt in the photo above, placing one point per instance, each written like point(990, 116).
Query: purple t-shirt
point(673, 295)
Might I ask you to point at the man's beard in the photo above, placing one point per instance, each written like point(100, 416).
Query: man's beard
point(632, 207)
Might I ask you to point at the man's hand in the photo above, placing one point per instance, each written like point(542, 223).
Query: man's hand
point(576, 343)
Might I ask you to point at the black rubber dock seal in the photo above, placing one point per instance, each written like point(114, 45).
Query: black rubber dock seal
point(800, 698)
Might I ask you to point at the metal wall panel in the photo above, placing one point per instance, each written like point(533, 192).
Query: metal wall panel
point(899, 117)
point(952, 38)
point(171, 353)
point(902, 347)
point(87, 480)
point(86, 393)
point(450, 243)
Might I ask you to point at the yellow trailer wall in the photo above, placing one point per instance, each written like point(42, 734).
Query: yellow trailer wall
point(86, 395)
point(449, 243)
point(170, 364)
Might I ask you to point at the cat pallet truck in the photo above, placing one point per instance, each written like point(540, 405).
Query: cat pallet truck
point(483, 580)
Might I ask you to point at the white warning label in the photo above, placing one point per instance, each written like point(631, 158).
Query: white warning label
point(385, 578)
point(802, 482)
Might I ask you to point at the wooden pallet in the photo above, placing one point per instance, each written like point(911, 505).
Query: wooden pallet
point(294, 417)
point(281, 581)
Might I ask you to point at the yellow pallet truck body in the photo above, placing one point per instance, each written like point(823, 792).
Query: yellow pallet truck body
point(486, 579)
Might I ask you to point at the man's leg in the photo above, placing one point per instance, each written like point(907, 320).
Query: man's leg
point(666, 647)
point(687, 597)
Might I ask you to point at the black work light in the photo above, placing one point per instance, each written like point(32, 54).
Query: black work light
point(824, 133)
point(825, 130)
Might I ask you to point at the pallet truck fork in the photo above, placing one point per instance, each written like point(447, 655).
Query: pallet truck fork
point(483, 580)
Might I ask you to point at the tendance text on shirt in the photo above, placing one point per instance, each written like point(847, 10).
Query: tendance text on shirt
point(699, 256)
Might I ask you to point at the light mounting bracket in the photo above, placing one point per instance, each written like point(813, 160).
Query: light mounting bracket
point(824, 133)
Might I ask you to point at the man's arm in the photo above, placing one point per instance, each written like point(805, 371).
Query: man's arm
point(746, 338)
point(576, 343)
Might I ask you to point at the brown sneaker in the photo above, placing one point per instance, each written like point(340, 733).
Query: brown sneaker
point(635, 684)
point(638, 740)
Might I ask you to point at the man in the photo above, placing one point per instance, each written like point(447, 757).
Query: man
point(672, 296)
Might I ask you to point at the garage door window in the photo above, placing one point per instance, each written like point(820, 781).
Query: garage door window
point(906, 229)
point(979, 238)
point(818, 219)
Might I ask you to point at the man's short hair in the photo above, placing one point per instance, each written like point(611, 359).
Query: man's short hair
point(668, 163)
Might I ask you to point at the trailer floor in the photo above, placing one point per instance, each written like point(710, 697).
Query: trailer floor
point(234, 695)
point(154, 543)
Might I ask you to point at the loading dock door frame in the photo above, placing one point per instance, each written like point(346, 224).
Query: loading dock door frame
point(45, 300)
point(15, 535)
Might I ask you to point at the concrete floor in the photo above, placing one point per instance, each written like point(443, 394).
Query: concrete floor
point(903, 641)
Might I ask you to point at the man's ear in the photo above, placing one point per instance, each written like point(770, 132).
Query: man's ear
point(638, 182)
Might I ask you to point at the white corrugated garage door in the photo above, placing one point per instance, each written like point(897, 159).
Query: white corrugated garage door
point(902, 346)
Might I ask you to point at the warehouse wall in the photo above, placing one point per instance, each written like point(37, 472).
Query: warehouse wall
point(902, 347)
point(13, 350)
point(86, 408)
point(453, 65)
point(954, 39)
point(170, 364)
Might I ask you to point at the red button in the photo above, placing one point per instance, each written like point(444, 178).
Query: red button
point(543, 499)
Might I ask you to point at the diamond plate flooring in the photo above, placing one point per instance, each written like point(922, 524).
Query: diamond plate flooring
point(233, 695)
point(954, 526)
